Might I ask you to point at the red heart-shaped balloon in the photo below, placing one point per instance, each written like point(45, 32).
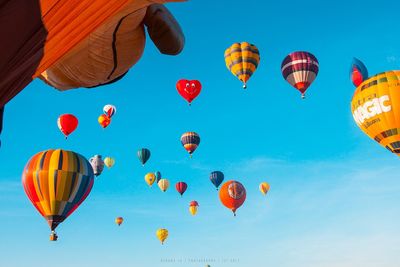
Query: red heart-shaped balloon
point(189, 90)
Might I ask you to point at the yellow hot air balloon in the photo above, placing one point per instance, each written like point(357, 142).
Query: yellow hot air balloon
point(242, 60)
point(376, 109)
point(109, 162)
point(119, 220)
point(150, 178)
point(163, 184)
point(162, 235)
point(264, 188)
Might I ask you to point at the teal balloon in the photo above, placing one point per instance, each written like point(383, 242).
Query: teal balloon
point(143, 155)
point(158, 176)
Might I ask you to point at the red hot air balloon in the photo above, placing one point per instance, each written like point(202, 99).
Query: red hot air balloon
point(300, 69)
point(232, 195)
point(189, 90)
point(67, 123)
point(181, 187)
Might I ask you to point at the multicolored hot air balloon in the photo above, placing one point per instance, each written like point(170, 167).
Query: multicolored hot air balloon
point(143, 155)
point(158, 176)
point(190, 141)
point(119, 221)
point(232, 195)
point(216, 177)
point(162, 235)
point(358, 72)
point(150, 178)
point(109, 162)
point(242, 60)
point(376, 109)
point(104, 120)
point(109, 110)
point(193, 207)
point(264, 188)
point(300, 69)
point(181, 187)
point(163, 184)
point(57, 182)
point(67, 123)
point(97, 164)
point(189, 90)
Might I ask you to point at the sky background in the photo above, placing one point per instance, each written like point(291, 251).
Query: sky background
point(334, 198)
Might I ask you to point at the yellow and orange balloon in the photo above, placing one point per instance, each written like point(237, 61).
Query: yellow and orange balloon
point(162, 235)
point(119, 220)
point(264, 188)
point(376, 109)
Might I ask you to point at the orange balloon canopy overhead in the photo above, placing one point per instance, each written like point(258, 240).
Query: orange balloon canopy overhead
point(44, 31)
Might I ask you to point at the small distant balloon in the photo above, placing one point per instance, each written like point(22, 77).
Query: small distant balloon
point(104, 120)
point(119, 220)
point(150, 178)
point(358, 72)
point(216, 177)
point(189, 90)
point(162, 235)
point(158, 176)
point(193, 207)
point(109, 162)
point(264, 188)
point(143, 155)
point(97, 164)
point(181, 187)
point(163, 184)
point(109, 110)
point(190, 141)
point(67, 123)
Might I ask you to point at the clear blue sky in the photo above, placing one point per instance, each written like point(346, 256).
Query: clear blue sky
point(334, 198)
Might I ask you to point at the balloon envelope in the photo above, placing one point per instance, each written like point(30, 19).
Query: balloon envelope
point(97, 164)
point(358, 72)
point(189, 90)
point(190, 141)
point(300, 69)
point(57, 182)
point(232, 195)
point(216, 177)
point(150, 178)
point(143, 155)
point(376, 109)
point(181, 187)
point(67, 123)
point(109, 110)
point(163, 184)
point(109, 162)
point(242, 60)
point(264, 188)
point(104, 121)
point(119, 220)
point(162, 235)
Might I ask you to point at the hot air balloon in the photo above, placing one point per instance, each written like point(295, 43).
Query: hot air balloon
point(232, 195)
point(109, 110)
point(109, 162)
point(376, 110)
point(163, 184)
point(119, 221)
point(143, 155)
point(190, 141)
point(97, 164)
point(71, 44)
point(181, 187)
point(216, 177)
point(57, 182)
point(193, 207)
point(150, 178)
point(264, 188)
point(104, 120)
point(67, 123)
point(189, 90)
point(158, 176)
point(242, 60)
point(300, 69)
point(162, 235)
point(358, 72)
